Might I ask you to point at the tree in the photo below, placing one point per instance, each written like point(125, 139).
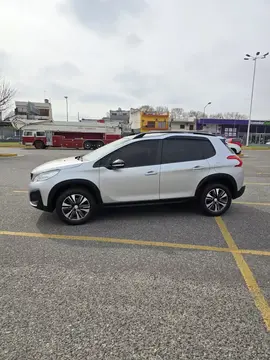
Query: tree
point(6, 95)
point(147, 108)
point(176, 113)
point(197, 114)
point(235, 115)
point(229, 115)
point(162, 109)
point(158, 109)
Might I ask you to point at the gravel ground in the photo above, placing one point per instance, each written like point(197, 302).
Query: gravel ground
point(68, 299)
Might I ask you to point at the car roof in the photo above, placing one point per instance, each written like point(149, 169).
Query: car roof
point(164, 134)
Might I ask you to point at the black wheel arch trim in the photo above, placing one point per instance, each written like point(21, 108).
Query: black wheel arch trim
point(64, 185)
point(219, 177)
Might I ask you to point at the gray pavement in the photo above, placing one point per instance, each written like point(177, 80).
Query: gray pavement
point(70, 299)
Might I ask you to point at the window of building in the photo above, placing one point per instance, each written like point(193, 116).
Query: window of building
point(182, 126)
point(182, 149)
point(151, 124)
point(141, 153)
point(191, 127)
point(162, 124)
point(44, 112)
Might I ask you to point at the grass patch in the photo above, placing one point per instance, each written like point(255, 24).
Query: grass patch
point(256, 147)
point(11, 145)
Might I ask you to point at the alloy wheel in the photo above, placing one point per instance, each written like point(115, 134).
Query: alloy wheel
point(75, 207)
point(216, 200)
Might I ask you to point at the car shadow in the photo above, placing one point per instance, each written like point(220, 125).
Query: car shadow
point(187, 209)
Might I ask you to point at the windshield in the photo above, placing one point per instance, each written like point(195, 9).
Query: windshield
point(106, 149)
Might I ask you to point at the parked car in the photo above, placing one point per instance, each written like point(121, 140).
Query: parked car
point(147, 168)
point(237, 141)
point(234, 147)
point(13, 139)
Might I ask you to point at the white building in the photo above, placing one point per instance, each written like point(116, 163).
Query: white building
point(183, 123)
point(33, 110)
point(135, 119)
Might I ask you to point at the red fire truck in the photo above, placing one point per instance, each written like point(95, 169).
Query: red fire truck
point(76, 135)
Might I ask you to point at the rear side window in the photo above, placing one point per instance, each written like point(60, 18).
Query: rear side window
point(40, 133)
point(28, 133)
point(227, 146)
point(183, 149)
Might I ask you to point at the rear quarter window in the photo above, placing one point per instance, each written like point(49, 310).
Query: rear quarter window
point(208, 149)
point(180, 149)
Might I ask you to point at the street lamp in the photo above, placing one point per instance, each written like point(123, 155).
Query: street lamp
point(66, 97)
point(258, 56)
point(209, 103)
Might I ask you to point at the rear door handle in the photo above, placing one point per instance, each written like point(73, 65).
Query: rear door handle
point(151, 172)
point(198, 167)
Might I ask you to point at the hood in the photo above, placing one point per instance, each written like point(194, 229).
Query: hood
point(66, 163)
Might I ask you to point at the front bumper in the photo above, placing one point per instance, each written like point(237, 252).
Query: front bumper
point(240, 192)
point(36, 200)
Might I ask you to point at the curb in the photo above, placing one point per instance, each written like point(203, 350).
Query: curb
point(7, 155)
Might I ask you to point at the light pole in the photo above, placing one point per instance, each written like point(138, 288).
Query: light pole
point(258, 56)
point(66, 97)
point(209, 103)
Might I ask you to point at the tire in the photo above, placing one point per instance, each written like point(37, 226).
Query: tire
point(83, 199)
point(215, 208)
point(87, 145)
point(39, 144)
point(99, 144)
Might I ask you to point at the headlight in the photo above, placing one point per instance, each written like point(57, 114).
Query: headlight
point(46, 175)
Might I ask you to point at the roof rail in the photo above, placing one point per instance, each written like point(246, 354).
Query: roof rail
point(140, 135)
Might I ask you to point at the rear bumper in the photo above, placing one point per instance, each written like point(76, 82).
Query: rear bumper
point(240, 192)
point(36, 201)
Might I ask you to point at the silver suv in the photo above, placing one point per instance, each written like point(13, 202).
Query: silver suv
point(157, 167)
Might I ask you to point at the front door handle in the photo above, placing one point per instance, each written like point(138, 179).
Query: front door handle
point(151, 172)
point(198, 167)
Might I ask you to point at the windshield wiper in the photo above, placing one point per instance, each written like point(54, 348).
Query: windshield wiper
point(79, 157)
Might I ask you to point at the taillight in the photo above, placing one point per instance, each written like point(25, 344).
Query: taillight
point(235, 157)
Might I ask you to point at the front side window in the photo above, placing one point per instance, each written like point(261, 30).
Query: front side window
point(183, 149)
point(140, 153)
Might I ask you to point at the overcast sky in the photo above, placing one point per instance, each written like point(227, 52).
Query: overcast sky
point(105, 54)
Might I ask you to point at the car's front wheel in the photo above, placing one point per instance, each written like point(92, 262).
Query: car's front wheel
point(215, 199)
point(75, 206)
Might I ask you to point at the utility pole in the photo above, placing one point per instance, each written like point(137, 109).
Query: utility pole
point(66, 97)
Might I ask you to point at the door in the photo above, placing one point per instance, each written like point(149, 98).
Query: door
point(138, 180)
point(184, 164)
point(49, 138)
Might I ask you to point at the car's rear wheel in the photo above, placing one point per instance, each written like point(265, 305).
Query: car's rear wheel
point(215, 199)
point(75, 206)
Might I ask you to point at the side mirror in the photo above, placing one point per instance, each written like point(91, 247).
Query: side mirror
point(117, 164)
